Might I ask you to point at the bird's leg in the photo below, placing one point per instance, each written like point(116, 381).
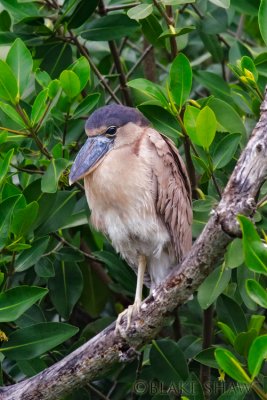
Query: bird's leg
point(135, 308)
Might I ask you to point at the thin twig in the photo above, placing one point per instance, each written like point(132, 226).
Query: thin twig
point(116, 58)
point(83, 50)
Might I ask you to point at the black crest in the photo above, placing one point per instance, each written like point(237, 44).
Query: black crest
point(115, 115)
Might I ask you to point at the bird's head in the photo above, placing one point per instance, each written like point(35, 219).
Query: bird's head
point(107, 128)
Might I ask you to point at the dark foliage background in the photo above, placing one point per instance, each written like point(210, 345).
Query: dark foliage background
point(197, 70)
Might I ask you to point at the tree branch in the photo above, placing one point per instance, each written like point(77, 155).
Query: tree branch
point(107, 348)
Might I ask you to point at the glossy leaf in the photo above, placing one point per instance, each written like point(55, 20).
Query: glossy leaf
point(254, 250)
point(14, 302)
point(140, 12)
point(227, 331)
point(243, 341)
point(234, 256)
point(221, 3)
point(225, 150)
point(29, 257)
point(262, 20)
point(34, 340)
point(24, 218)
point(81, 68)
point(180, 80)
point(256, 322)
point(229, 363)
point(65, 287)
point(12, 114)
point(38, 107)
point(231, 314)
point(6, 212)
point(70, 83)
point(81, 13)
point(163, 359)
point(20, 61)
point(4, 165)
point(8, 83)
point(213, 286)
point(54, 209)
point(104, 28)
point(206, 124)
point(256, 292)
point(162, 120)
point(257, 354)
point(150, 89)
point(152, 30)
point(190, 118)
point(51, 177)
point(86, 105)
point(206, 357)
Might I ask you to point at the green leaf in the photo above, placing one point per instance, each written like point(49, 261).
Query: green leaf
point(14, 302)
point(256, 292)
point(213, 286)
point(24, 218)
point(215, 84)
point(262, 17)
point(231, 314)
point(177, 31)
point(206, 124)
point(81, 13)
point(42, 78)
point(225, 150)
point(152, 30)
point(44, 268)
point(51, 177)
point(176, 2)
point(38, 107)
point(65, 287)
point(226, 115)
point(140, 12)
point(19, 59)
point(243, 341)
point(247, 63)
point(53, 88)
point(227, 331)
point(254, 250)
point(4, 165)
point(34, 340)
point(180, 80)
point(150, 89)
point(6, 212)
point(86, 105)
point(8, 83)
point(29, 257)
point(229, 363)
point(109, 27)
point(81, 68)
point(234, 256)
point(190, 117)
point(70, 83)
point(54, 210)
point(257, 354)
point(163, 359)
point(221, 3)
point(206, 357)
point(256, 322)
point(12, 114)
point(162, 120)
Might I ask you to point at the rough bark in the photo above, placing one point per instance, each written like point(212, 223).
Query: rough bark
point(107, 348)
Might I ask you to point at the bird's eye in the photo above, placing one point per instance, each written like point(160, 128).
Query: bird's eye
point(111, 131)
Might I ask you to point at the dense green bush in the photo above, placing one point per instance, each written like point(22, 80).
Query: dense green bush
point(197, 70)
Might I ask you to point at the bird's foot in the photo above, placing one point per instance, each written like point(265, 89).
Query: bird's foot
point(133, 309)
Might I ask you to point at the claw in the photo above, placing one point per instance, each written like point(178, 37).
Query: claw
point(129, 312)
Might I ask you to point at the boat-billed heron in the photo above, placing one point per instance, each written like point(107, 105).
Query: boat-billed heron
point(138, 191)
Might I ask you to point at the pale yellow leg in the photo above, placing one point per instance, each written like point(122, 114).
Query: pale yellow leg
point(135, 308)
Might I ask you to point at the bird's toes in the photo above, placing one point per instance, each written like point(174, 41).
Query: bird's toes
point(129, 313)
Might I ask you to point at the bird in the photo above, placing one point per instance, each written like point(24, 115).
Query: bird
point(139, 193)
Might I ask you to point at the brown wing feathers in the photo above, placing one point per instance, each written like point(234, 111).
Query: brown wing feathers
point(173, 201)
